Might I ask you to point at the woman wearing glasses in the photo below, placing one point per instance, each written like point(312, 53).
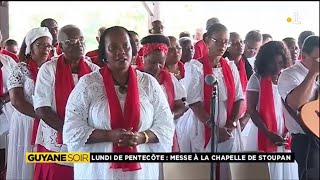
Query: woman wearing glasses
point(230, 98)
point(24, 122)
point(55, 81)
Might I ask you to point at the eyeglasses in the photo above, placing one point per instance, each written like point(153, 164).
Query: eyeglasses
point(220, 43)
point(74, 41)
point(44, 46)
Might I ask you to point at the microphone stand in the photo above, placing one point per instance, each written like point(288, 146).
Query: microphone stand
point(214, 141)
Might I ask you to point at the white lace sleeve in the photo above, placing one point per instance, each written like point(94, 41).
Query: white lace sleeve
point(76, 130)
point(17, 76)
point(163, 126)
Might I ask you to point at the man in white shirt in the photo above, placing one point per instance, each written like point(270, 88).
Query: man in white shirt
point(297, 86)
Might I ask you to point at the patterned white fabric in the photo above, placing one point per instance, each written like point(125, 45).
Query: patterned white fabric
point(8, 65)
point(276, 170)
point(21, 126)
point(88, 109)
point(44, 95)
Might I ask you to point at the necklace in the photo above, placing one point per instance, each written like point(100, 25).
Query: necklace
point(122, 87)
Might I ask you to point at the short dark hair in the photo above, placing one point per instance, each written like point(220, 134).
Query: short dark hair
point(303, 36)
point(266, 56)
point(44, 23)
point(265, 36)
point(184, 34)
point(254, 35)
point(288, 39)
point(211, 22)
point(216, 28)
point(155, 38)
point(102, 45)
point(132, 33)
point(310, 43)
point(10, 42)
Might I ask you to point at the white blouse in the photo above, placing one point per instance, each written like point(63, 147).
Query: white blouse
point(8, 66)
point(88, 109)
point(179, 91)
point(194, 85)
point(254, 85)
point(44, 95)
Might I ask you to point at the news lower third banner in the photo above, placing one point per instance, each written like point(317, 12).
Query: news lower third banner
point(39, 157)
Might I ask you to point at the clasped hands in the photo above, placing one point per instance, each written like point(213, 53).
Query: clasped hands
point(127, 138)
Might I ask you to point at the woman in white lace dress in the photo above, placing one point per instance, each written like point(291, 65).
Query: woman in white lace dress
point(116, 108)
point(35, 49)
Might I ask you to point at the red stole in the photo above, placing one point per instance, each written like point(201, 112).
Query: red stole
point(166, 81)
point(200, 50)
point(93, 55)
point(33, 68)
point(64, 84)
point(10, 54)
point(129, 118)
point(230, 87)
point(268, 116)
point(181, 69)
point(244, 82)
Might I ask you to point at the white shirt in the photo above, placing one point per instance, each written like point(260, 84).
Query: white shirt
point(8, 65)
point(195, 94)
point(179, 91)
point(289, 79)
point(254, 85)
point(44, 95)
point(88, 109)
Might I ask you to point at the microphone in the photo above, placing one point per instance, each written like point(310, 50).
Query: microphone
point(210, 79)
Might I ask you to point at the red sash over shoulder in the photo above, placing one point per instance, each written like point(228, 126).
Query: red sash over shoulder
point(268, 116)
point(230, 87)
point(64, 84)
point(129, 118)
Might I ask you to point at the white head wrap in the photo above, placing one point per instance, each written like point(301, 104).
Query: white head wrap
point(35, 34)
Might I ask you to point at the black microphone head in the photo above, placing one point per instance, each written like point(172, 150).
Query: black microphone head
point(210, 79)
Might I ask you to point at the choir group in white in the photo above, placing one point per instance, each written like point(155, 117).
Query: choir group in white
point(87, 109)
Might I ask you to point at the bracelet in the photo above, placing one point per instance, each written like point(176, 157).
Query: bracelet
point(146, 136)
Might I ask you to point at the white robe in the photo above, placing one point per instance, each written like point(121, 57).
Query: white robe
point(276, 170)
point(185, 122)
point(44, 95)
point(21, 126)
point(195, 94)
point(88, 109)
point(8, 65)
